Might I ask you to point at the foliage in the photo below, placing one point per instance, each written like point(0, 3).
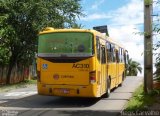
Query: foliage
point(157, 72)
point(156, 30)
point(4, 55)
point(133, 68)
point(77, 26)
point(21, 20)
point(141, 101)
point(148, 2)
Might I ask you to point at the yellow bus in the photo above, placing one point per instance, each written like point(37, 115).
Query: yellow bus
point(78, 63)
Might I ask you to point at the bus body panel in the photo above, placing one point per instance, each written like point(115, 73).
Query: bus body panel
point(112, 73)
point(121, 72)
point(67, 90)
point(65, 73)
point(76, 80)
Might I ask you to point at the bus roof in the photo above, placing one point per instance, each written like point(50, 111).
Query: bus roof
point(51, 30)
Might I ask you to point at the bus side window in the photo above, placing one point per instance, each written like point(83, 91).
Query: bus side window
point(98, 48)
point(113, 53)
point(103, 58)
point(122, 55)
point(117, 56)
point(126, 57)
point(108, 50)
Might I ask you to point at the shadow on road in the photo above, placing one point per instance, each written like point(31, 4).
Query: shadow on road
point(37, 105)
point(38, 101)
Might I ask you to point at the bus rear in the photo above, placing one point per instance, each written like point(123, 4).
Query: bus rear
point(66, 63)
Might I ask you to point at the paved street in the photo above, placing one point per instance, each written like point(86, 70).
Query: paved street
point(26, 102)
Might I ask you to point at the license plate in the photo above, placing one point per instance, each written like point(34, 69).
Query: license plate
point(64, 91)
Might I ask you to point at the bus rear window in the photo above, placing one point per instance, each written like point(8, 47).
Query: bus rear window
point(65, 44)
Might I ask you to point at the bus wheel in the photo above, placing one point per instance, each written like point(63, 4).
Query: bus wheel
point(108, 89)
point(120, 85)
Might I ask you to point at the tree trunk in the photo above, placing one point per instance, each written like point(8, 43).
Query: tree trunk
point(11, 65)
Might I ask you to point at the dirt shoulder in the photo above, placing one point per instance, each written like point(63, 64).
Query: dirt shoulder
point(156, 104)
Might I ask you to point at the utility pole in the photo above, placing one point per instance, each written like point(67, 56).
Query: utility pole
point(148, 60)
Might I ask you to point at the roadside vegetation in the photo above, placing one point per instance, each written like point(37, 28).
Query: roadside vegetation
point(133, 68)
point(20, 23)
point(24, 84)
point(141, 101)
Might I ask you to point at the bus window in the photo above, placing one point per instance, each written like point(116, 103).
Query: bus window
point(98, 47)
point(109, 57)
point(103, 58)
point(122, 52)
point(117, 56)
point(121, 55)
point(64, 44)
point(113, 53)
point(126, 57)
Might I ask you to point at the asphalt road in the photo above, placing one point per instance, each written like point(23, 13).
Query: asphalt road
point(26, 102)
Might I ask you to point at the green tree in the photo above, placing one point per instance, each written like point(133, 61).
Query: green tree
point(21, 20)
point(157, 72)
point(133, 68)
point(77, 26)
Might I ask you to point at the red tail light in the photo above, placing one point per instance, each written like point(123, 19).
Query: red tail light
point(92, 77)
point(38, 76)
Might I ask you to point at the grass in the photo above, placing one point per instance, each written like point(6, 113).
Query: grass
point(141, 101)
point(23, 84)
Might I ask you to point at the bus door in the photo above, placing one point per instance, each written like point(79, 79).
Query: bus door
point(117, 67)
point(103, 69)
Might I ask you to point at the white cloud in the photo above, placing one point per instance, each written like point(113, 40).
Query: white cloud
point(97, 3)
point(156, 7)
point(133, 43)
point(125, 23)
point(96, 16)
point(131, 13)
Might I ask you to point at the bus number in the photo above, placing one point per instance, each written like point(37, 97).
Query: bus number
point(80, 66)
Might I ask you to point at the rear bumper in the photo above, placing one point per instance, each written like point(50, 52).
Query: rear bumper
point(72, 90)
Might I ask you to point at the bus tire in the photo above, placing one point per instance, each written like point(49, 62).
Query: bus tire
point(108, 89)
point(120, 85)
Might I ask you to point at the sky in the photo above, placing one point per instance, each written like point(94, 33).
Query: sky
point(124, 19)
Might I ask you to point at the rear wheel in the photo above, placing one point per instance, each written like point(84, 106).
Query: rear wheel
point(108, 89)
point(122, 80)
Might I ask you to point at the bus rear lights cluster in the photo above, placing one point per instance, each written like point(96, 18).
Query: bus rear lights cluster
point(92, 77)
point(50, 90)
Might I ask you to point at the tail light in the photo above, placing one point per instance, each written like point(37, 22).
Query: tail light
point(92, 77)
point(38, 76)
